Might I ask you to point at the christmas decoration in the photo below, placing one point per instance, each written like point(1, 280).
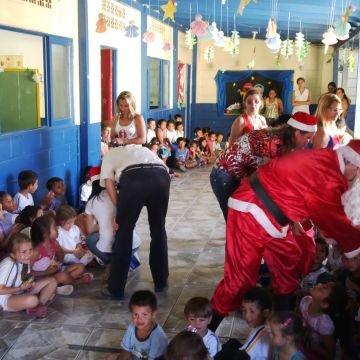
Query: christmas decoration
point(273, 41)
point(351, 61)
point(167, 46)
point(209, 54)
point(132, 30)
point(198, 26)
point(329, 38)
point(243, 4)
point(169, 10)
point(101, 23)
point(287, 48)
point(220, 39)
point(302, 46)
point(190, 39)
point(149, 37)
point(342, 27)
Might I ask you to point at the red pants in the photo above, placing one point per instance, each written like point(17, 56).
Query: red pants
point(246, 244)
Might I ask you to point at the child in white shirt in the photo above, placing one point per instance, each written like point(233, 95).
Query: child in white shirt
point(150, 133)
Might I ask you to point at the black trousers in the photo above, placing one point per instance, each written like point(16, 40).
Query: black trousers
point(138, 188)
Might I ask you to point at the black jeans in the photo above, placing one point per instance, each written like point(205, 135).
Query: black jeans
point(137, 188)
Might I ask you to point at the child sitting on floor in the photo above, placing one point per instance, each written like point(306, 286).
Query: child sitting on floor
point(48, 257)
point(198, 313)
point(144, 338)
point(9, 217)
point(182, 154)
point(56, 185)
point(286, 334)
point(28, 216)
point(18, 291)
point(69, 237)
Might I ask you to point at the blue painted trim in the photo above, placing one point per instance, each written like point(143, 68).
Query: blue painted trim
point(144, 67)
point(47, 98)
point(25, 31)
point(336, 67)
point(175, 68)
point(188, 101)
point(84, 82)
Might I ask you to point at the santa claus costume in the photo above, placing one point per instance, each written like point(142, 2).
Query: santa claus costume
point(303, 184)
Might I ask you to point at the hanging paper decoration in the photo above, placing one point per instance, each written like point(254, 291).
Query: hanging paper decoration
point(169, 10)
point(214, 30)
point(220, 39)
point(273, 41)
point(302, 46)
point(329, 38)
point(132, 30)
point(251, 64)
point(190, 39)
point(232, 45)
point(198, 26)
point(278, 58)
point(167, 46)
point(209, 54)
point(243, 4)
point(101, 23)
point(149, 37)
point(207, 35)
point(287, 48)
point(351, 61)
point(228, 44)
point(342, 27)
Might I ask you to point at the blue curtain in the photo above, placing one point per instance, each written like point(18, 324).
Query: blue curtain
point(283, 76)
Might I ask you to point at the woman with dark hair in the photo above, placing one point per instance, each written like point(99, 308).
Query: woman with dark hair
point(250, 119)
point(345, 102)
point(256, 148)
point(301, 98)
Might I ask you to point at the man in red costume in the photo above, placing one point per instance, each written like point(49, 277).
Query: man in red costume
point(304, 184)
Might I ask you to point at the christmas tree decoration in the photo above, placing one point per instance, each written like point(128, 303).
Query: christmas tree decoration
point(209, 54)
point(329, 38)
point(278, 58)
point(342, 27)
point(287, 48)
point(302, 46)
point(190, 39)
point(131, 30)
point(243, 4)
point(198, 27)
point(273, 41)
point(351, 61)
point(101, 23)
point(169, 10)
point(149, 37)
point(220, 40)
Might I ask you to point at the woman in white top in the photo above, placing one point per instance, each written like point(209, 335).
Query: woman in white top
point(127, 126)
point(301, 98)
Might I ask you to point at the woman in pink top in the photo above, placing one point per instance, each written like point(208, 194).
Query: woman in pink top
point(250, 119)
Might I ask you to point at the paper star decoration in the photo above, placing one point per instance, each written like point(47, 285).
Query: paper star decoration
point(169, 10)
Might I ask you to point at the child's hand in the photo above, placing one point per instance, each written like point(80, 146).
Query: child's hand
point(28, 284)
point(47, 199)
point(53, 268)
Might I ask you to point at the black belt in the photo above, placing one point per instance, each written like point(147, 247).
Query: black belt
point(143, 166)
point(267, 201)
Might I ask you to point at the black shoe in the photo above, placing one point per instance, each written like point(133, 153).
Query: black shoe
point(160, 289)
point(108, 295)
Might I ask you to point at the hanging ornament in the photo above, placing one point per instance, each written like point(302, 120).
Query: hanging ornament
point(278, 58)
point(190, 39)
point(198, 26)
point(287, 48)
point(149, 37)
point(167, 46)
point(329, 38)
point(101, 23)
point(209, 54)
point(131, 30)
point(351, 61)
point(251, 64)
point(207, 35)
point(243, 4)
point(214, 30)
point(169, 10)
point(342, 27)
point(234, 42)
point(220, 39)
point(302, 46)
point(273, 41)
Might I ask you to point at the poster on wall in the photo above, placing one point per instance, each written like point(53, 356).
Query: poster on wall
point(233, 85)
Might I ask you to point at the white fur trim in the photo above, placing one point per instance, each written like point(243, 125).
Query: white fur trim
point(301, 126)
point(350, 155)
point(352, 254)
point(95, 177)
point(260, 217)
point(330, 241)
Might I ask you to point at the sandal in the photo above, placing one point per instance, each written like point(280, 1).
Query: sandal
point(39, 311)
point(65, 290)
point(87, 277)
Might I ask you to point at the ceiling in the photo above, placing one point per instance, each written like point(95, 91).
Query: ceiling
point(314, 15)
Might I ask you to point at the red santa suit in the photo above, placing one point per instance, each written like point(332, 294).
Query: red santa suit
point(303, 184)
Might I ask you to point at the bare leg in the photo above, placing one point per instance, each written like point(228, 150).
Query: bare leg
point(45, 288)
point(22, 302)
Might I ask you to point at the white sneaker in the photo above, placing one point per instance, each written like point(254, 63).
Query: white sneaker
point(65, 290)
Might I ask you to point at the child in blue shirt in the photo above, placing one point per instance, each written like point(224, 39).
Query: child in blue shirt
point(56, 185)
point(144, 338)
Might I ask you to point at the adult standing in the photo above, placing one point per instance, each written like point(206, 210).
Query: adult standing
point(250, 119)
point(302, 184)
point(254, 149)
point(273, 107)
point(143, 180)
point(345, 102)
point(328, 110)
point(127, 126)
point(301, 98)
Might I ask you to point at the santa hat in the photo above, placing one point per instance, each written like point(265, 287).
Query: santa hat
point(95, 173)
point(303, 121)
point(351, 152)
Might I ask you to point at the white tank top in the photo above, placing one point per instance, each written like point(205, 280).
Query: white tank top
point(128, 131)
point(301, 97)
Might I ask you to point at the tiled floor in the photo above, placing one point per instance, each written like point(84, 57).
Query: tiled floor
point(77, 324)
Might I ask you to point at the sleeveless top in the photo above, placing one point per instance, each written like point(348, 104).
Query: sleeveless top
point(45, 257)
point(128, 131)
point(301, 97)
point(250, 126)
point(271, 109)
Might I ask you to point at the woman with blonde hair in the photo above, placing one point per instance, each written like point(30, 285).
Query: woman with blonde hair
point(127, 126)
point(328, 110)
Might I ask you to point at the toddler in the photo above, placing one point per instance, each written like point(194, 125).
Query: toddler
point(57, 187)
point(150, 133)
point(326, 301)
point(322, 251)
point(178, 118)
point(198, 134)
point(179, 129)
point(198, 313)
point(170, 132)
point(18, 291)
point(219, 144)
point(286, 333)
point(105, 139)
point(144, 338)
point(48, 257)
point(194, 159)
point(69, 237)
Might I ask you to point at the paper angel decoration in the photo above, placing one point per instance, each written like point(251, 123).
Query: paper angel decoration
point(209, 54)
point(149, 37)
point(329, 38)
point(131, 30)
point(214, 30)
point(167, 46)
point(198, 27)
point(220, 39)
point(273, 41)
point(342, 27)
point(287, 48)
point(190, 39)
point(101, 23)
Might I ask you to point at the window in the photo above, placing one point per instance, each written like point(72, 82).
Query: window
point(158, 83)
